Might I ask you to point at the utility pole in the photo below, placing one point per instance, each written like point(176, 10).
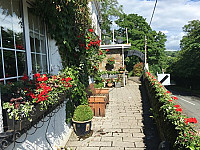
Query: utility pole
point(145, 55)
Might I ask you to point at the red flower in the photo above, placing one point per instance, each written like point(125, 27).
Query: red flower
point(89, 44)
point(107, 50)
point(168, 92)
point(39, 79)
point(90, 30)
point(179, 109)
point(190, 120)
point(87, 48)
point(170, 100)
point(25, 77)
point(36, 75)
point(175, 98)
point(177, 106)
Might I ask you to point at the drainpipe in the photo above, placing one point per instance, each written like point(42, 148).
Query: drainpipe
point(1, 115)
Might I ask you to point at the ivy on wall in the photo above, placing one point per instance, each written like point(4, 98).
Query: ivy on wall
point(68, 22)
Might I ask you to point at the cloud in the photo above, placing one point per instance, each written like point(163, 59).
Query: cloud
point(170, 16)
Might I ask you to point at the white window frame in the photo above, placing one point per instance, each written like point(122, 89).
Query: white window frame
point(26, 5)
point(2, 59)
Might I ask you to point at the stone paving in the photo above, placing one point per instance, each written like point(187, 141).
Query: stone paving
point(127, 125)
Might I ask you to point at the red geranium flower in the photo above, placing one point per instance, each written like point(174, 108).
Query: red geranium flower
point(36, 75)
point(177, 106)
point(168, 92)
point(25, 77)
point(175, 98)
point(90, 30)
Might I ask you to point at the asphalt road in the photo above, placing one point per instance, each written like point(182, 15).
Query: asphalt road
point(190, 105)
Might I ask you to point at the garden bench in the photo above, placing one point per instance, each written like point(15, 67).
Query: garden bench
point(97, 98)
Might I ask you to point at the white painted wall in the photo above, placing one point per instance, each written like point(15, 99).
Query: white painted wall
point(55, 61)
point(58, 134)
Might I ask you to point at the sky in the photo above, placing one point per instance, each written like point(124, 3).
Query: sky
point(170, 16)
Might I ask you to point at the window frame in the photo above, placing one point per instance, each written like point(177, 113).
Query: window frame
point(28, 4)
point(25, 4)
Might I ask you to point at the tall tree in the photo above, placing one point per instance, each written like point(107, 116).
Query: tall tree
point(110, 9)
point(137, 29)
point(186, 68)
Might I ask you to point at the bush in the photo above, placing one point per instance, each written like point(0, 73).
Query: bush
point(137, 69)
point(83, 113)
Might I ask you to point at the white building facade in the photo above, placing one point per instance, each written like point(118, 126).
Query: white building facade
point(25, 48)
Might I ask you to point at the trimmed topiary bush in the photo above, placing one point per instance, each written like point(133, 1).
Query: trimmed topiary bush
point(83, 113)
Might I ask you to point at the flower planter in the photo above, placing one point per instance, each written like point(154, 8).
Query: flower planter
point(82, 128)
point(109, 84)
point(109, 67)
point(97, 105)
point(118, 84)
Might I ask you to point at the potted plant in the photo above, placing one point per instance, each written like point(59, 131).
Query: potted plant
point(118, 82)
point(121, 70)
point(109, 82)
point(82, 120)
point(110, 63)
point(119, 40)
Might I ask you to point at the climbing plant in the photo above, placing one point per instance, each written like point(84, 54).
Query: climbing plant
point(68, 22)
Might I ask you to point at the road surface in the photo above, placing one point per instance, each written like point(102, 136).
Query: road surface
point(190, 105)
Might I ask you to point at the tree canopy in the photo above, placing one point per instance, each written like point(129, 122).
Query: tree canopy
point(137, 29)
point(186, 68)
point(110, 9)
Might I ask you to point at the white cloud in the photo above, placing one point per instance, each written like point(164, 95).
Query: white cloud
point(170, 16)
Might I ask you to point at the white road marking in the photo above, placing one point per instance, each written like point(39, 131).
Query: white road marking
point(186, 101)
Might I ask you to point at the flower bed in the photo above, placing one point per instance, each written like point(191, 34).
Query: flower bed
point(173, 126)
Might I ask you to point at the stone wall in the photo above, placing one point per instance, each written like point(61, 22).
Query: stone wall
point(117, 54)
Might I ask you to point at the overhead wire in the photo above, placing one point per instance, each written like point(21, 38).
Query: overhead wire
point(153, 12)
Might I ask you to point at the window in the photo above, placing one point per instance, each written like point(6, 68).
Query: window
point(12, 49)
point(17, 56)
point(37, 43)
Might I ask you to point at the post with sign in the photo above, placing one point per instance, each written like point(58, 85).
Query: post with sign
point(164, 79)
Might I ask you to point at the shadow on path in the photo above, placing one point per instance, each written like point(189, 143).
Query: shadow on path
point(152, 139)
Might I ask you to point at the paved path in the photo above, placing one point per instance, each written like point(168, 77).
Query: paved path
point(126, 126)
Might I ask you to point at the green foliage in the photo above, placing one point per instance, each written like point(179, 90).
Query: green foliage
point(83, 113)
point(137, 29)
point(138, 69)
point(111, 61)
point(186, 67)
point(110, 9)
point(172, 124)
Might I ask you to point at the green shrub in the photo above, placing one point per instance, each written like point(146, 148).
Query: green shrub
point(137, 69)
point(83, 113)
